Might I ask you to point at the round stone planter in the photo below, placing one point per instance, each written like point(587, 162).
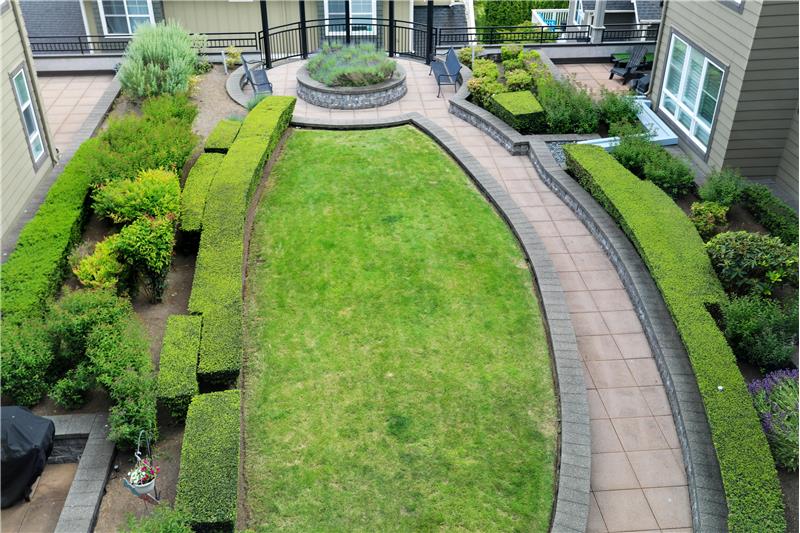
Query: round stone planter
point(376, 95)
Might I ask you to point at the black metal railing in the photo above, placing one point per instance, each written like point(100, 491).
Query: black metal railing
point(630, 32)
point(491, 35)
point(102, 44)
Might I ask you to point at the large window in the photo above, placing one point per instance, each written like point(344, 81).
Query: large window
point(122, 17)
point(691, 90)
point(29, 120)
point(361, 14)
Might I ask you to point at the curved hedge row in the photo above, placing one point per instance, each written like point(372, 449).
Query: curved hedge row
point(222, 136)
point(195, 190)
point(177, 372)
point(674, 253)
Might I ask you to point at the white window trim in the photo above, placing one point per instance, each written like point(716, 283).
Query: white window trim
point(679, 102)
point(127, 18)
point(374, 15)
point(22, 106)
point(579, 14)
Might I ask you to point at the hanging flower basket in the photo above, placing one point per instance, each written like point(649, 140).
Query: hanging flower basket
point(142, 478)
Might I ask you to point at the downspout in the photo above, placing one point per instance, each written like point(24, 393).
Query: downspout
point(660, 36)
point(23, 33)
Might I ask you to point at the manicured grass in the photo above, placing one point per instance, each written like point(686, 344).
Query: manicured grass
point(398, 376)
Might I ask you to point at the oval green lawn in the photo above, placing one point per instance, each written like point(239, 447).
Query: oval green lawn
point(398, 375)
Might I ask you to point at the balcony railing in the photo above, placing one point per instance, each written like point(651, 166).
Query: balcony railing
point(102, 44)
point(492, 35)
point(549, 17)
point(615, 33)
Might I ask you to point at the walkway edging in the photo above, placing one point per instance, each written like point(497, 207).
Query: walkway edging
point(574, 461)
point(706, 492)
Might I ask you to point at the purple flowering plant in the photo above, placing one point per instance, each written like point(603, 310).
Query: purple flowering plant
point(776, 399)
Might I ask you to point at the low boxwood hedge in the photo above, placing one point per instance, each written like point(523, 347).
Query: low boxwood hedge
point(195, 190)
point(771, 212)
point(208, 478)
point(177, 374)
point(223, 135)
point(520, 110)
point(674, 253)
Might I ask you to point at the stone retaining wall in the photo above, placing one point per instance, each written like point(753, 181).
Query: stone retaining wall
point(376, 95)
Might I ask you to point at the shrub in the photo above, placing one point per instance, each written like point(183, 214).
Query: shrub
point(465, 55)
point(160, 59)
point(134, 409)
point(510, 51)
point(672, 174)
point(146, 247)
point(723, 186)
point(356, 65)
point(513, 64)
point(616, 108)
point(209, 469)
point(102, 269)
point(485, 68)
point(635, 151)
point(674, 254)
point(750, 262)
point(709, 218)
point(70, 391)
point(520, 110)
point(167, 107)
point(568, 109)
point(771, 212)
point(223, 135)
point(152, 193)
point(177, 373)
point(760, 331)
point(519, 80)
point(775, 398)
point(163, 519)
point(233, 57)
point(482, 90)
point(507, 12)
point(195, 190)
point(27, 354)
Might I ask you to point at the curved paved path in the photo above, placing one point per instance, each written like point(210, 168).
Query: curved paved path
point(638, 479)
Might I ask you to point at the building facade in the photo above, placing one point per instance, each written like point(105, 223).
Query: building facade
point(27, 151)
point(726, 81)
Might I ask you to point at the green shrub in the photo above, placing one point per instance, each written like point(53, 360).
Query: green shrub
point(233, 57)
point(771, 212)
point(70, 392)
point(568, 109)
point(709, 218)
point(102, 269)
point(27, 354)
point(775, 398)
point(513, 64)
point(272, 114)
point(195, 190)
point(154, 193)
point(254, 101)
point(510, 51)
point(675, 255)
point(616, 108)
point(485, 68)
point(635, 151)
point(482, 90)
point(134, 409)
point(146, 247)
point(520, 110)
point(177, 373)
point(356, 65)
point(507, 12)
point(160, 59)
point(168, 107)
point(672, 174)
point(209, 469)
point(519, 80)
point(223, 135)
point(760, 331)
point(163, 519)
point(723, 186)
point(465, 55)
point(750, 262)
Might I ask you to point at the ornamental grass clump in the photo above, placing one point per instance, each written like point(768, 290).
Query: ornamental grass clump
point(350, 66)
point(775, 399)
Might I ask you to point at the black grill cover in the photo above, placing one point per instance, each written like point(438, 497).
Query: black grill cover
point(27, 441)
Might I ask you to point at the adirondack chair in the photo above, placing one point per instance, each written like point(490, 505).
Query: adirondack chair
point(642, 85)
point(631, 69)
point(446, 71)
point(257, 77)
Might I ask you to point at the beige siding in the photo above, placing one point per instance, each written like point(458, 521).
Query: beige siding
point(18, 178)
point(787, 174)
point(727, 36)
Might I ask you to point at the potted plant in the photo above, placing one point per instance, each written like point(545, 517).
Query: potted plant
point(143, 476)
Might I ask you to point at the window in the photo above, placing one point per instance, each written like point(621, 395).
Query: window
point(579, 13)
point(691, 90)
point(29, 121)
point(122, 17)
point(361, 14)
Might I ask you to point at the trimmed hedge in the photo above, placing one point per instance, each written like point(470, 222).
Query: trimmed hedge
point(177, 374)
point(520, 110)
point(217, 284)
point(674, 253)
point(208, 478)
point(195, 190)
point(223, 135)
point(771, 212)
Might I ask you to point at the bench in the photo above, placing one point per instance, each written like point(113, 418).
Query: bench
point(446, 71)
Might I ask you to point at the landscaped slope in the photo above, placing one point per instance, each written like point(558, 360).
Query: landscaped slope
point(397, 373)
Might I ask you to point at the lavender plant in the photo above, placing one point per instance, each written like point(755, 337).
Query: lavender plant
point(350, 66)
point(776, 400)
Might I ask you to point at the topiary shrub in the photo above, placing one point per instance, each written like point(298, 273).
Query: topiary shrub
point(357, 65)
point(567, 108)
point(27, 353)
point(520, 110)
point(160, 59)
point(709, 218)
point(146, 247)
point(771, 212)
point(723, 187)
point(775, 398)
point(760, 331)
point(153, 193)
point(177, 373)
point(750, 262)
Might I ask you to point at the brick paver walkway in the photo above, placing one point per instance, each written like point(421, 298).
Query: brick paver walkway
point(638, 481)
